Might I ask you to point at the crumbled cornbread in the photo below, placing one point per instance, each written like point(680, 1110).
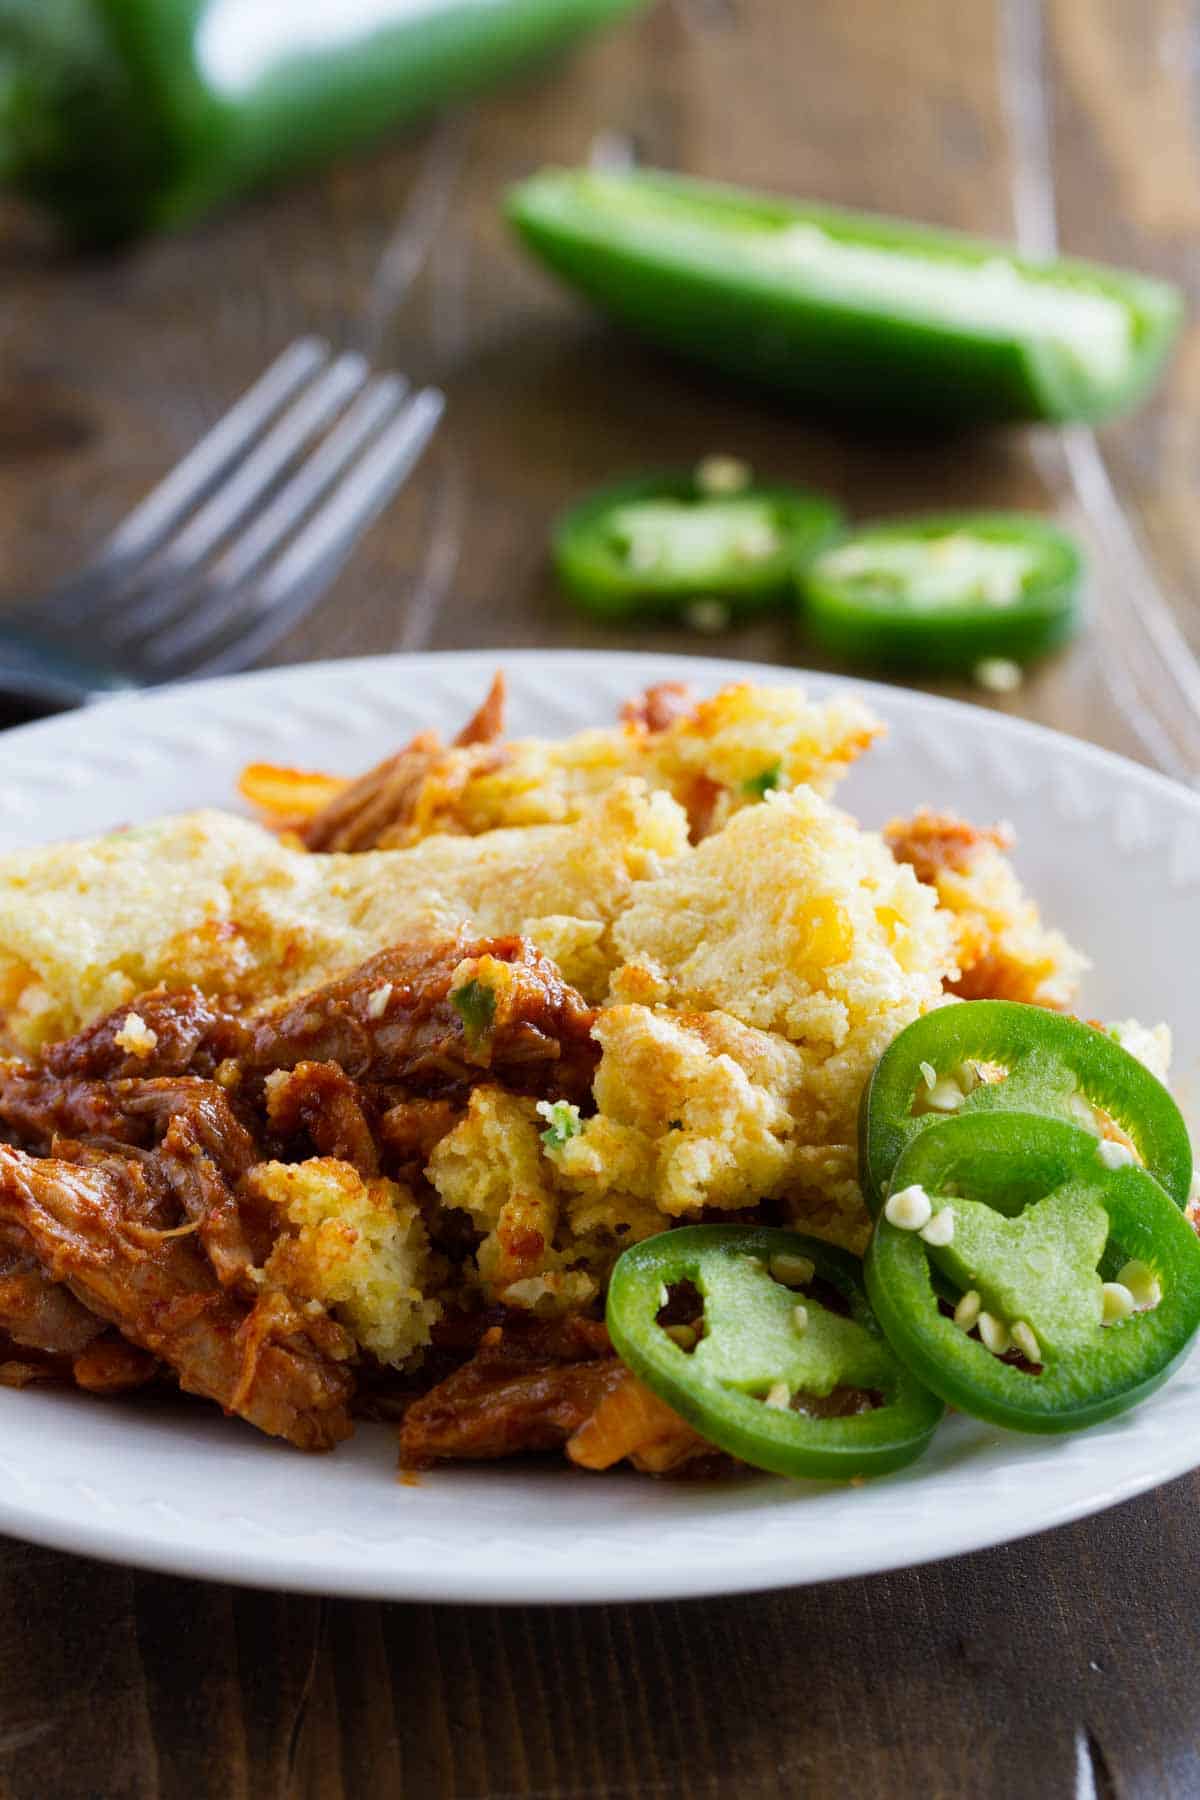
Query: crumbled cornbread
point(1003, 950)
point(752, 951)
point(210, 899)
point(1151, 1044)
point(679, 1123)
point(491, 1166)
point(710, 756)
point(698, 1111)
point(358, 1247)
point(136, 1036)
point(795, 920)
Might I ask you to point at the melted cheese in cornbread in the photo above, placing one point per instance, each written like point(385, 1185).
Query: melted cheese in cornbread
point(793, 919)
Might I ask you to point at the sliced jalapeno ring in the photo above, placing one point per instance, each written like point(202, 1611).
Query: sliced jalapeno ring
point(797, 1378)
point(1037, 1233)
point(660, 544)
point(1051, 1065)
point(944, 592)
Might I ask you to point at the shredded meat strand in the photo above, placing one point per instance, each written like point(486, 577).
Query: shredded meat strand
point(410, 1129)
point(22, 1372)
point(660, 705)
point(97, 1231)
point(701, 801)
point(529, 1387)
point(111, 1366)
point(378, 810)
point(931, 842)
point(539, 1041)
point(203, 1153)
point(486, 724)
point(35, 1312)
point(204, 1105)
point(36, 1107)
point(319, 1102)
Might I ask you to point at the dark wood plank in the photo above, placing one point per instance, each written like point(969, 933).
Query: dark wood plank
point(975, 1677)
point(72, 1682)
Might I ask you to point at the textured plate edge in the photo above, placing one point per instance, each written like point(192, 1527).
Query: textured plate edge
point(758, 1570)
point(717, 669)
point(541, 1585)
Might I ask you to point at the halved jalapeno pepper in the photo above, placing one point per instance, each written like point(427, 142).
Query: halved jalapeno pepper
point(789, 1370)
point(944, 592)
point(122, 116)
point(667, 543)
point(861, 313)
point(1056, 1291)
point(985, 1056)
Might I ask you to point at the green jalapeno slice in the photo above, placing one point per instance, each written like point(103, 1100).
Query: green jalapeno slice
point(982, 1056)
point(787, 1368)
point(665, 543)
point(944, 593)
point(1025, 1279)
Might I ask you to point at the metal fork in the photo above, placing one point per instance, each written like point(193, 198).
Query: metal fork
point(200, 578)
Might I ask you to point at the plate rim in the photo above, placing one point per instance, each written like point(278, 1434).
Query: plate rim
point(819, 680)
point(294, 1569)
point(538, 1585)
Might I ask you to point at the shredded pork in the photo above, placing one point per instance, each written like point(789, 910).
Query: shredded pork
point(97, 1229)
point(141, 1226)
point(529, 1387)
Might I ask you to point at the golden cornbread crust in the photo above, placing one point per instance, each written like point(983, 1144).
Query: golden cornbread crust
point(210, 900)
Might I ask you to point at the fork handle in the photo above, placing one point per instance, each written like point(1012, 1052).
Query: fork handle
point(42, 678)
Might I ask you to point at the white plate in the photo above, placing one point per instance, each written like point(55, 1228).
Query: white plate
point(1112, 852)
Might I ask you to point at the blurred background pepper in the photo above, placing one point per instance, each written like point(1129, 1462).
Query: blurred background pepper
point(123, 116)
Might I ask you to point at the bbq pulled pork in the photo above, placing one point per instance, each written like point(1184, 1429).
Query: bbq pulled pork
point(36, 1312)
point(530, 1386)
point(535, 1385)
point(95, 1229)
point(390, 806)
point(181, 1034)
point(437, 1018)
point(150, 1228)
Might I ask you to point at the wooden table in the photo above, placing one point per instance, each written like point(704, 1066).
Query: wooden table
point(1065, 1665)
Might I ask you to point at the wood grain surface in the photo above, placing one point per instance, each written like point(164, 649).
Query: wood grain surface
point(1067, 1665)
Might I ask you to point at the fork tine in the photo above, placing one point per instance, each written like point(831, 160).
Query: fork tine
point(218, 592)
point(374, 406)
point(357, 500)
point(188, 481)
point(155, 517)
point(308, 416)
point(302, 573)
point(177, 574)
